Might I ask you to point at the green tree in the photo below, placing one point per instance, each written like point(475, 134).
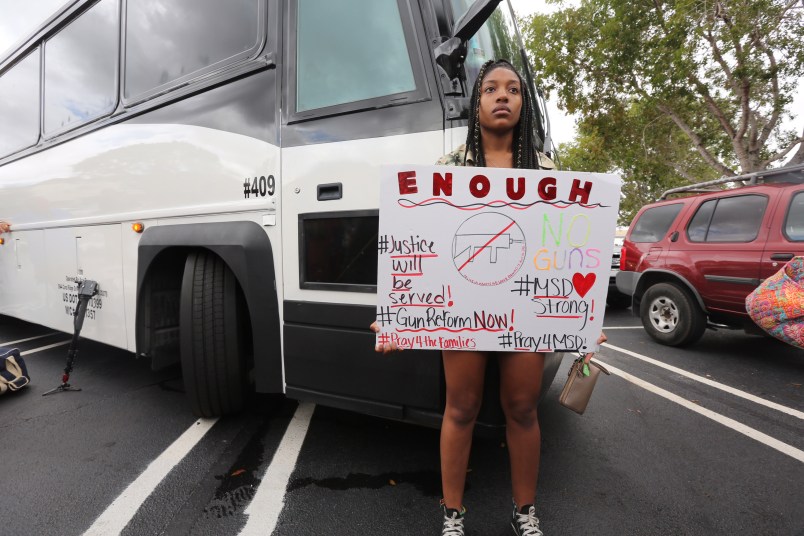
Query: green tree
point(642, 145)
point(670, 92)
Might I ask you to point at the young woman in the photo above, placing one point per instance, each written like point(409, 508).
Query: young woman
point(500, 135)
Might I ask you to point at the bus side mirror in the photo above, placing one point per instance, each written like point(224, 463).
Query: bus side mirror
point(450, 54)
point(475, 17)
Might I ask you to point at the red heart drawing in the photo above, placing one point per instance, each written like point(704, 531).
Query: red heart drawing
point(583, 283)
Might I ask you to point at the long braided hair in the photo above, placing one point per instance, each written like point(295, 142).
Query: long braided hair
point(525, 156)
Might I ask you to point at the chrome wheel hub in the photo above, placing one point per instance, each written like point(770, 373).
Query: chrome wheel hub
point(663, 314)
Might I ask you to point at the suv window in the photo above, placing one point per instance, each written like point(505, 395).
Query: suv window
point(730, 219)
point(696, 231)
point(794, 224)
point(653, 224)
point(349, 55)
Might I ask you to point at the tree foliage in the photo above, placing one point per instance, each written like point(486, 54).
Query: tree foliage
point(674, 91)
point(641, 144)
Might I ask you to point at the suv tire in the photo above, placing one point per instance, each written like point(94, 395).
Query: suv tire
point(671, 316)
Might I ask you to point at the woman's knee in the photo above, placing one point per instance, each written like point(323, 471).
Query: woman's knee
point(463, 409)
point(521, 410)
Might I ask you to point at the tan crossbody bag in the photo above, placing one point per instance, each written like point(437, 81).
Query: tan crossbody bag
point(578, 389)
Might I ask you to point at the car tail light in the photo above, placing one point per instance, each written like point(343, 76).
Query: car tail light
point(622, 258)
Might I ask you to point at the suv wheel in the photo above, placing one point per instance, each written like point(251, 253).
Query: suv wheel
point(671, 316)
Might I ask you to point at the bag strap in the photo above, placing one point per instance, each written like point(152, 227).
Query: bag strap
point(576, 367)
point(15, 364)
point(601, 367)
point(6, 352)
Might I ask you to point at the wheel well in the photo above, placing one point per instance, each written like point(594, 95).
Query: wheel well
point(246, 249)
point(648, 279)
point(159, 305)
point(158, 308)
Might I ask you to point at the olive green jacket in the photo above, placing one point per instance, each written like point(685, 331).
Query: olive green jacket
point(464, 157)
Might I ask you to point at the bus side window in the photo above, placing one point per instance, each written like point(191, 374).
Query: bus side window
point(169, 42)
point(352, 52)
point(81, 69)
point(19, 105)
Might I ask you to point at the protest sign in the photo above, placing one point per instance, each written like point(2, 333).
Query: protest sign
point(494, 259)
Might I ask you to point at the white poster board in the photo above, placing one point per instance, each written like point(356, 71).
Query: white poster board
point(494, 259)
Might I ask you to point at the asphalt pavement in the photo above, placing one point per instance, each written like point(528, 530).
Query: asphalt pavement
point(704, 440)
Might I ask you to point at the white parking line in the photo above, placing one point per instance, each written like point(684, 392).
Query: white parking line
point(264, 510)
point(711, 383)
point(120, 512)
point(765, 439)
point(43, 348)
point(9, 343)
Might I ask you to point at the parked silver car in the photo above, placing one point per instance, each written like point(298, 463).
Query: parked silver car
point(616, 299)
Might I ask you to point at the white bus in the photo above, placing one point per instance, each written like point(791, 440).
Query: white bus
point(214, 165)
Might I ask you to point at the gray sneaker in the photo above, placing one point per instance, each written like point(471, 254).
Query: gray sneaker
point(525, 522)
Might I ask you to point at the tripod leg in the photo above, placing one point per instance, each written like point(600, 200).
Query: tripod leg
point(86, 289)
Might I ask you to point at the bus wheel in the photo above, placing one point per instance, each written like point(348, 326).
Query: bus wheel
point(213, 341)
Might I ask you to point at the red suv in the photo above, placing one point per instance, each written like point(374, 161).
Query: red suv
point(690, 262)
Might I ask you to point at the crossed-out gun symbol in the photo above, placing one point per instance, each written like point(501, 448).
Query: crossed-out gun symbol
point(473, 243)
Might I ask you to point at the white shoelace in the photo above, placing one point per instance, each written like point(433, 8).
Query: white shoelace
point(529, 523)
point(453, 526)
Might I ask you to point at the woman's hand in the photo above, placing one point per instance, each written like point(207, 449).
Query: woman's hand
point(600, 340)
point(386, 347)
point(4, 226)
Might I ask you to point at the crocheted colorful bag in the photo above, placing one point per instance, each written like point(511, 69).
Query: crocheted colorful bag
point(777, 305)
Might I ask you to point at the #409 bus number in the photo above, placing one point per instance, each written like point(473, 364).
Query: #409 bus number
point(259, 186)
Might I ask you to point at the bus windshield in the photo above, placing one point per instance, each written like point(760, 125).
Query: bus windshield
point(499, 38)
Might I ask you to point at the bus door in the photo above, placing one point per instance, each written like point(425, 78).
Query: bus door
point(359, 91)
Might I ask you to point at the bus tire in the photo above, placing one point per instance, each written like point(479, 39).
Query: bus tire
point(212, 336)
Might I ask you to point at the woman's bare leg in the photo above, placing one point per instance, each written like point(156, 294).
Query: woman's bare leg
point(520, 385)
point(464, 372)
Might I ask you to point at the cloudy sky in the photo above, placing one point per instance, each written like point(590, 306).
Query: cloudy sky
point(13, 26)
